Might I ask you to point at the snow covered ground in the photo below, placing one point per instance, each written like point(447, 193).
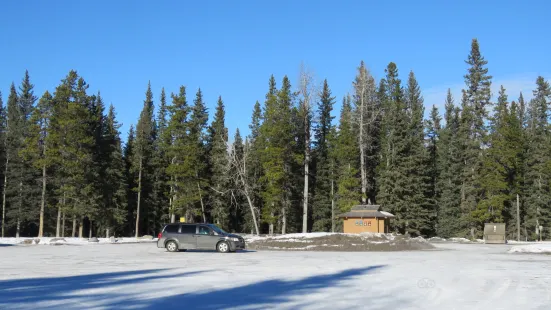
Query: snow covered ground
point(539, 247)
point(71, 241)
point(141, 276)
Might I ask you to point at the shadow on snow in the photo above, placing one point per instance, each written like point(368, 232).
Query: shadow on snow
point(71, 292)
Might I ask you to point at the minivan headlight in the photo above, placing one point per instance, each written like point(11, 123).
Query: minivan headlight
point(234, 239)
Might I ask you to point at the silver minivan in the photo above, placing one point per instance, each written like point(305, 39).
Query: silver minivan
point(198, 236)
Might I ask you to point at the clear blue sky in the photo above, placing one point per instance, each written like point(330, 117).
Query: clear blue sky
point(230, 48)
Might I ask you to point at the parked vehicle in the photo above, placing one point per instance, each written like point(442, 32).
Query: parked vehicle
point(198, 236)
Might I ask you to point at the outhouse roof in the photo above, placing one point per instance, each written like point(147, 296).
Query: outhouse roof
point(366, 214)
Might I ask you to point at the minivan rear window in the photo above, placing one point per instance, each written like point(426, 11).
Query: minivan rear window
point(188, 229)
point(171, 229)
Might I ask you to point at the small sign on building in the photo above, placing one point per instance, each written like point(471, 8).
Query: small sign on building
point(182, 219)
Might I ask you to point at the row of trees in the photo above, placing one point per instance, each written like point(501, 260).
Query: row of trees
point(65, 168)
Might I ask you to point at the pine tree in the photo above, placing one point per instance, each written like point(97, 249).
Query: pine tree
point(160, 188)
point(420, 204)
point(450, 168)
point(130, 178)
point(348, 191)
point(476, 99)
point(277, 153)
point(198, 151)
point(114, 184)
point(3, 156)
point(495, 169)
point(35, 150)
point(323, 166)
point(394, 183)
point(219, 163)
point(537, 192)
point(433, 131)
point(21, 186)
point(71, 145)
point(367, 119)
point(143, 153)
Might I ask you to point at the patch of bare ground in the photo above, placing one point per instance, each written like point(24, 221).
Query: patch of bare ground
point(342, 242)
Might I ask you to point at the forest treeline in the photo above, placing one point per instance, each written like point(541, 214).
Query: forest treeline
point(66, 171)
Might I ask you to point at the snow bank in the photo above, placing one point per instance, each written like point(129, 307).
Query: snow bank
point(72, 241)
point(538, 248)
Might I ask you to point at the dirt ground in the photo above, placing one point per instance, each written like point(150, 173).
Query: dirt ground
point(348, 243)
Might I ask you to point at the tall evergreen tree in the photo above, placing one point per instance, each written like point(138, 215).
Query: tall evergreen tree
point(420, 204)
point(198, 151)
point(143, 153)
point(394, 182)
point(36, 148)
point(348, 191)
point(323, 165)
point(367, 114)
point(537, 191)
point(476, 99)
point(450, 168)
point(219, 163)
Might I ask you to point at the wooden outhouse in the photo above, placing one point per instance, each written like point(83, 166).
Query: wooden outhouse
point(494, 233)
point(366, 218)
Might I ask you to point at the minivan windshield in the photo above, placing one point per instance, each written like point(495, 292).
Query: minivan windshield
point(217, 229)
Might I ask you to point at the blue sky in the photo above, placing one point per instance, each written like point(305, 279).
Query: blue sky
point(230, 48)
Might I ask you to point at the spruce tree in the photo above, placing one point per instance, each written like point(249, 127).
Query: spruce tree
point(143, 153)
point(323, 169)
point(394, 182)
point(198, 152)
point(348, 191)
point(130, 178)
point(537, 191)
point(21, 187)
point(495, 170)
point(114, 182)
point(219, 163)
point(476, 99)
point(36, 148)
point(449, 174)
point(3, 156)
point(367, 117)
point(420, 204)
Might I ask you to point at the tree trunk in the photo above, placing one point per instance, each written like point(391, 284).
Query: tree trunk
point(518, 218)
point(305, 194)
point(332, 205)
point(202, 205)
point(4, 196)
point(90, 231)
point(139, 198)
point(63, 226)
point(58, 223)
point(271, 226)
point(252, 211)
point(283, 220)
point(107, 233)
point(80, 227)
point(42, 204)
point(18, 229)
point(362, 146)
point(74, 230)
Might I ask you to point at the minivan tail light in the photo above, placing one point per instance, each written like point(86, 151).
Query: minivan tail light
point(160, 235)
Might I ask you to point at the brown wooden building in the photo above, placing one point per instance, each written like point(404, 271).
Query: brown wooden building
point(366, 218)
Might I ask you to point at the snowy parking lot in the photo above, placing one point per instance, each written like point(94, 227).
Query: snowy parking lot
point(141, 276)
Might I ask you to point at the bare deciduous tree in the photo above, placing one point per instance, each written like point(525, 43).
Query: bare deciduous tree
point(308, 92)
point(241, 178)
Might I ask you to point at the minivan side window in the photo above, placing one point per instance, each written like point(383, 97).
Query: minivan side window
point(203, 230)
point(188, 229)
point(171, 229)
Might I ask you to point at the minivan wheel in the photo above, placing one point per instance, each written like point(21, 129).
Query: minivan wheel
point(223, 247)
point(171, 246)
